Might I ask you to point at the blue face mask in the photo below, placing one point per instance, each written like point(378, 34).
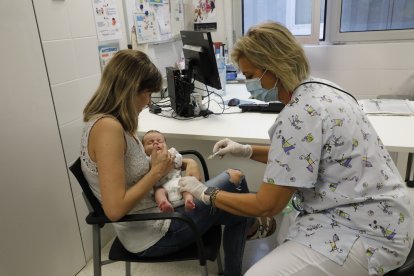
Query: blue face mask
point(254, 86)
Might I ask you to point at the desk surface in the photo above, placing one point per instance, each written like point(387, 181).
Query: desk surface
point(242, 127)
point(396, 132)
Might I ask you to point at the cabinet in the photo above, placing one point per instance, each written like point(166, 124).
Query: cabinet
point(39, 232)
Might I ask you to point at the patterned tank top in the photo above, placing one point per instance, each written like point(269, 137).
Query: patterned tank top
point(135, 236)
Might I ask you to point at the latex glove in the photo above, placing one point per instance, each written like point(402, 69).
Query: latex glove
point(226, 145)
point(195, 187)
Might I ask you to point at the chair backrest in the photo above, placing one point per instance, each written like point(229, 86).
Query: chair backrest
point(94, 203)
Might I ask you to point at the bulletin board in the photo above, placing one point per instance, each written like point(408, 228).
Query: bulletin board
point(155, 21)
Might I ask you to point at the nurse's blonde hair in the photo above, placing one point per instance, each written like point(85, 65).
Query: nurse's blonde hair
point(271, 46)
point(129, 72)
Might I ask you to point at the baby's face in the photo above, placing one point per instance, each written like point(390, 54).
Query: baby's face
point(153, 140)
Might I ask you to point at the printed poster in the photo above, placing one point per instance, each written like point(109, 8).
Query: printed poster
point(162, 13)
point(151, 20)
point(106, 52)
point(177, 17)
point(106, 20)
point(146, 28)
point(205, 15)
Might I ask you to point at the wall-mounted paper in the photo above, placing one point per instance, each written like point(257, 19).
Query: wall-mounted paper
point(145, 27)
point(106, 52)
point(106, 20)
point(151, 18)
point(205, 15)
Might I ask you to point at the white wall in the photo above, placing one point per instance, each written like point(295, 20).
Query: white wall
point(366, 70)
point(68, 35)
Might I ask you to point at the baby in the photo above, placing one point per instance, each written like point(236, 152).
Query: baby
point(166, 191)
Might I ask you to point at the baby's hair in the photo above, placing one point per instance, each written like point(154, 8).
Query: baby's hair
point(151, 131)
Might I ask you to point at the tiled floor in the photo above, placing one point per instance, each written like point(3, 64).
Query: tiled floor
point(253, 252)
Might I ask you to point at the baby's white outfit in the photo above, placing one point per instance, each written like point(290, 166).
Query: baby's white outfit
point(170, 181)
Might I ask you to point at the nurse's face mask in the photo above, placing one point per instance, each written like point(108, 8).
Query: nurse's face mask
point(254, 86)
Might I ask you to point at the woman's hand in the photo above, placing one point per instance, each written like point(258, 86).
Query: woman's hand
point(226, 145)
point(193, 186)
point(162, 162)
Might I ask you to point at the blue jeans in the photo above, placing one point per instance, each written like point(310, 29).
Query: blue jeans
point(179, 235)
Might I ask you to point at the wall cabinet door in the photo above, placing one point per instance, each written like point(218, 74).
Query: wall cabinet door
point(39, 233)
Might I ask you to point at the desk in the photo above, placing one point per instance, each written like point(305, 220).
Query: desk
point(242, 127)
point(396, 132)
point(397, 135)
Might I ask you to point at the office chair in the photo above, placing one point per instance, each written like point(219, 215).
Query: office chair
point(206, 247)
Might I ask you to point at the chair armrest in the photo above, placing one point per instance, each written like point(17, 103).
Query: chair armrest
point(91, 219)
point(101, 220)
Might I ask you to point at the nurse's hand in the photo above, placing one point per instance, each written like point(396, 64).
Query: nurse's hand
point(226, 145)
point(195, 187)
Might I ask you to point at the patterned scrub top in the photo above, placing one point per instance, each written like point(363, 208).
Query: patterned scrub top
point(323, 144)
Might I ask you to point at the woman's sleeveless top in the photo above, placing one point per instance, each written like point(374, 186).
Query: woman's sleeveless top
point(135, 236)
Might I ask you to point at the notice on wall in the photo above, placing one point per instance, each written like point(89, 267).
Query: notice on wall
point(205, 15)
point(145, 26)
point(177, 17)
point(151, 20)
point(163, 17)
point(106, 52)
point(106, 20)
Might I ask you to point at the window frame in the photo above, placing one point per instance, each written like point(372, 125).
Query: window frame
point(290, 17)
point(333, 15)
point(332, 34)
point(313, 38)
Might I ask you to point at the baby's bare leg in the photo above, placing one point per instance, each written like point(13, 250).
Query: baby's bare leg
point(160, 195)
point(188, 201)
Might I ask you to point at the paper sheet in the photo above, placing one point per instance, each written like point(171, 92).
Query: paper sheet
point(387, 107)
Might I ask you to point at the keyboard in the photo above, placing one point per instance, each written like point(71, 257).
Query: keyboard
point(274, 107)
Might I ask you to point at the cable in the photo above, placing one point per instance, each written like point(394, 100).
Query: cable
point(318, 82)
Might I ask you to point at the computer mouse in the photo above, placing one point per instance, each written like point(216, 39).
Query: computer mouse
point(233, 102)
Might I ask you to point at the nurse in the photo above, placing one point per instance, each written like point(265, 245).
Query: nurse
point(355, 217)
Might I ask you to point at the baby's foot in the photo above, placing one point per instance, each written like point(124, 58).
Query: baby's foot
point(165, 206)
point(189, 205)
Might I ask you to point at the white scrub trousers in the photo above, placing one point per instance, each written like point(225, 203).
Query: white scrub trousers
point(292, 258)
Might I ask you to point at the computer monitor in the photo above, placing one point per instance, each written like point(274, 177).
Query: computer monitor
point(200, 65)
point(200, 60)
